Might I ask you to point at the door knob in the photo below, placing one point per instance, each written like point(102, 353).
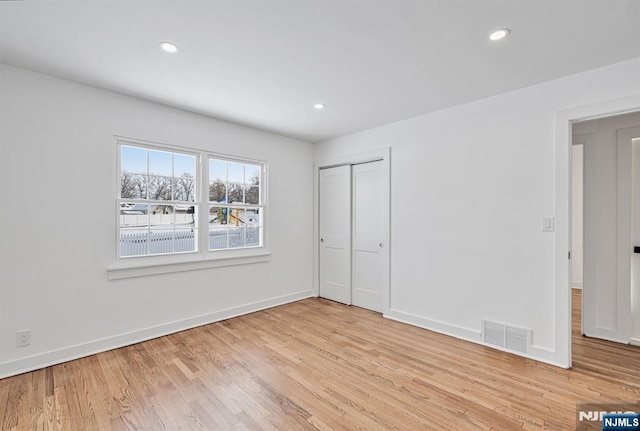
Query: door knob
point(321, 239)
point(381, 245)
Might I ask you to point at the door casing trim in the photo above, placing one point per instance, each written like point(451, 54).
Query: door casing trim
point(561, 354)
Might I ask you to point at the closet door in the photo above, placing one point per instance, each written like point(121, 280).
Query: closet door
point(335, 234)
point(368, 234)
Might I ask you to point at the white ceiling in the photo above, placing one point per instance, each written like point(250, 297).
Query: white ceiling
point(264, 63)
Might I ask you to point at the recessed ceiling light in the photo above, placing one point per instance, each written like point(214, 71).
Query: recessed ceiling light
point(319, 106)
point(499, 34)
point(169, 47)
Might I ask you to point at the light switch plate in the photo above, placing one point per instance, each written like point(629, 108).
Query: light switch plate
point(548, 224)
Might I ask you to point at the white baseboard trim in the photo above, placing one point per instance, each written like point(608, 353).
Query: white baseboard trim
point(607, 337)
point(58, 356)
point(537, 353)
point(548, 356)
point(634, 341)
point(576, 285)
point(435, 325)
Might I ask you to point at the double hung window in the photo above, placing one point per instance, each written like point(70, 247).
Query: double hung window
point(235, 213)
point(175, 201)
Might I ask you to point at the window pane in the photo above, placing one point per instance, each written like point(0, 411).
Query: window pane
point(160, 240)
point(236, 172)
point(133, 242)
point(235, 193)
point(160, 163)
point(217, 170)
point(253, 235)
point(252, 174)
point(252, 195)
point(134, 227)
point(161, 215)
point(185, 240)
point(133, 186)
point(217, 192)
point(218, 219)
point(141, 184)
point(184, 164)
point(218, 216)
point(160, 188)
point(215, 216)
point(186, 216)
point(237, 216)
point(184, 188)
point(134, 209)
point(218, 238)
point(133, 160)
point(236, 237)
point(253, 217)
point(253, 230)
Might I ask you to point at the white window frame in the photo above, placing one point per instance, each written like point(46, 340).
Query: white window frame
point(262, 193)
point(136, 266)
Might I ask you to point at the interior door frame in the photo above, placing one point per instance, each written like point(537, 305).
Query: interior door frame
point(561, 354)
point(579, 140)
point(379, 154)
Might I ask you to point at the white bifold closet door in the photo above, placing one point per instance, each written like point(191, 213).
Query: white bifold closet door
point(352, 215)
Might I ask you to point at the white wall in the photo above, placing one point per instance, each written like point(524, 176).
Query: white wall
point(470, 185)
point(57, 155)
point(601, 185)
point(576, 214)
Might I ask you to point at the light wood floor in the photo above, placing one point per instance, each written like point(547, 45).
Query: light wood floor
point(315, 364)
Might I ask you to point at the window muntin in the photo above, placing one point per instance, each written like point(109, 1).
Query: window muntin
point(160, 199)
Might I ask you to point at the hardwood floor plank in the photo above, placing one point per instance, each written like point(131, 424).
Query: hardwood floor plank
point(317, 365)
point(15, 402)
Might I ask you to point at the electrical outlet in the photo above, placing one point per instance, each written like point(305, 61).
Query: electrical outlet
point(23, 338)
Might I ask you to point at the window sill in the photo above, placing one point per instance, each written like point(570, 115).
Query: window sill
point(120, 271)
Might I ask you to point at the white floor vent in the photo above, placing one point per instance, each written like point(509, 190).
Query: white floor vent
point(505, 336)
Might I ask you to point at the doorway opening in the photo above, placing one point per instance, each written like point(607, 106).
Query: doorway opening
point(605, 201)
point(561, 353)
